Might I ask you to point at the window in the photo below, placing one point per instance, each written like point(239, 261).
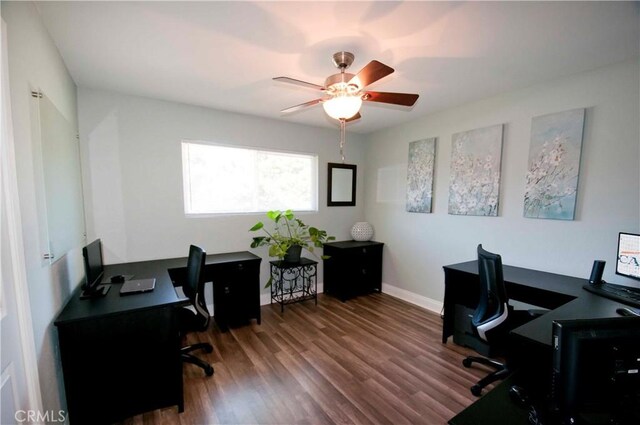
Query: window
point(224, 179)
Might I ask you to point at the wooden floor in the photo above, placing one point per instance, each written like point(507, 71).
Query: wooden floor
point(374, 359)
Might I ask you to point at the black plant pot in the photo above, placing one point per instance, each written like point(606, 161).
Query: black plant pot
point(293, 254)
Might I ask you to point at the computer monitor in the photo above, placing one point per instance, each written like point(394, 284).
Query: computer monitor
point(628, 261)
point(94, 270)
point(596, 371)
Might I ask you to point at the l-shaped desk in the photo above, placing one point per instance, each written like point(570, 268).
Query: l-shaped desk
point(562, 295)
point(121, 354)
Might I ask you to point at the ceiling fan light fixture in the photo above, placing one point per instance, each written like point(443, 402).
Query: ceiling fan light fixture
point(343, 92)
point(342, 106)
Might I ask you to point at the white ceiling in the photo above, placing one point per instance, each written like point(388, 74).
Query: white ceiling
point(223, 55)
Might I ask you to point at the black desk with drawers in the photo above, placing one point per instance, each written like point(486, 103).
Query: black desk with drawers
point(121, 354)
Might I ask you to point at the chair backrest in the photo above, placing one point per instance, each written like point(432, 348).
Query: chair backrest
point(194, 285)
point(492, 310)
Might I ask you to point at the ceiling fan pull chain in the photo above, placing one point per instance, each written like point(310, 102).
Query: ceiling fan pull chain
point(342, 138)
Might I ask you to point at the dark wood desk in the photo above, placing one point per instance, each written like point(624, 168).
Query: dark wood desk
point(121, 354)
point(586, 306)
point(565, 298)
point(494, 408)
point(543, 289)
point(236, 285)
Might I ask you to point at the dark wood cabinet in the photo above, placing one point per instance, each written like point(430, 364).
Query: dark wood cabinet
point(236, 287)
point(354, 268)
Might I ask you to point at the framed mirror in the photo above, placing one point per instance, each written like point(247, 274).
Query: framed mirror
point(342, 185)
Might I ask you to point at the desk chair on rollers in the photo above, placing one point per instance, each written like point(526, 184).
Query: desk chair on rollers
point(494, 317)
point(198, 321)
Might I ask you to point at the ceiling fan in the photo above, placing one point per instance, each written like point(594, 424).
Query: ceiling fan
point(343, 93)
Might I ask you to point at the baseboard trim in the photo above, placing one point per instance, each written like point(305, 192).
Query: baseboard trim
point(413, 298)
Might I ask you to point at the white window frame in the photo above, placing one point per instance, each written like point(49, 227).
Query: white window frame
point(186, 178)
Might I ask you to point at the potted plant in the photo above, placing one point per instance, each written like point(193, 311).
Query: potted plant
point(289, 236)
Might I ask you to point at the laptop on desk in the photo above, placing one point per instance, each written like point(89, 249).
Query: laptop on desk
point(137, 286)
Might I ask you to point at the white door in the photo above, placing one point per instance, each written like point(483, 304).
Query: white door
point(19, 388)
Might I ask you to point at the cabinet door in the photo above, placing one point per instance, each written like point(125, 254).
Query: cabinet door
point(340, 273)
point(370, 263)
point(236, 292)
point(121, 365)
point(331, 270)
point(246, 294)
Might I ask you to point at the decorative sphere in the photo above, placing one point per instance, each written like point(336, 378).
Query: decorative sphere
point(362, 231)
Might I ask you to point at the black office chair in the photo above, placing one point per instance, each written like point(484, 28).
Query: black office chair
point(493, 317)
point(198, 321)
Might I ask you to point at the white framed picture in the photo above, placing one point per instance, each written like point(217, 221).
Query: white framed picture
point(476, 155)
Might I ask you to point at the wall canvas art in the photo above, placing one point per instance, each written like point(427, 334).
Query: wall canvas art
point(422, 155)
point(554, 164)
point(474, 188)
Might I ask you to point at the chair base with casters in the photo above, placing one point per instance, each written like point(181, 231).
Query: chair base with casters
point(192, 322)
point(185, 353)
point(501, 372)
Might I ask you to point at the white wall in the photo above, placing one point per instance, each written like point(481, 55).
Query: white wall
point(418, 245)
point(35, 63)
point(133, 175)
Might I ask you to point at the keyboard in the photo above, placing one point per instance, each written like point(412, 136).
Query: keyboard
point(623, 294)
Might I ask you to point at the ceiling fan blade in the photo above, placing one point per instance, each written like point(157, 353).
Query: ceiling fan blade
point(371, 73)
point(298, 82)
point(405, 99)
point(302, 105)
point(354, 118)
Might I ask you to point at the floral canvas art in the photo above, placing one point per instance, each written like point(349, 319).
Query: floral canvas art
point(474, 188)
point(422, 154)
point(554, 164)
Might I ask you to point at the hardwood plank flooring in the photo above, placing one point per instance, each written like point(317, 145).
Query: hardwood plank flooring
point(372, 360)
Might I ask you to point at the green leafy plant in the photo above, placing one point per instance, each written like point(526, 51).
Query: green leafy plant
point(288, 231)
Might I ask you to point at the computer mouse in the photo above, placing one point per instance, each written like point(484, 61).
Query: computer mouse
point(117, 279)
point(519, 396)
point(626, 311)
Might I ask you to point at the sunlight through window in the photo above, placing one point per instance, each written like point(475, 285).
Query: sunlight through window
point(222, 179)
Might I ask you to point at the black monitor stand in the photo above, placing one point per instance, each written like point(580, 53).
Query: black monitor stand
point(97, 292)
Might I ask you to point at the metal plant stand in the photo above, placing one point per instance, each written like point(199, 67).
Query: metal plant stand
point(293, 282)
